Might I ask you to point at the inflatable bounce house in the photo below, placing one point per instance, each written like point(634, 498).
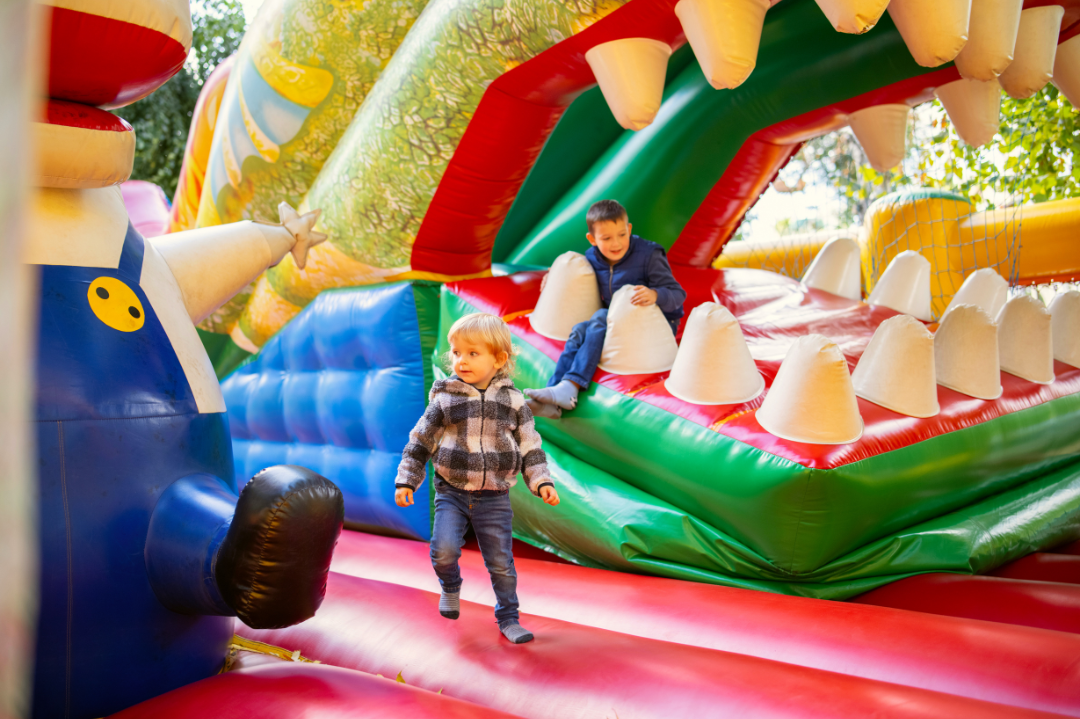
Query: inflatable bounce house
point(847, 490)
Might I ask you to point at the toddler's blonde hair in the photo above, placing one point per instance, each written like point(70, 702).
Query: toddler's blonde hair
point(490, 330)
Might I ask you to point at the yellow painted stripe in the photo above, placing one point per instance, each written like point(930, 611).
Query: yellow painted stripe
point(302, 84)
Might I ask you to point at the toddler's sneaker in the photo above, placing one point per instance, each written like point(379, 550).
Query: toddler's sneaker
point(516, 633)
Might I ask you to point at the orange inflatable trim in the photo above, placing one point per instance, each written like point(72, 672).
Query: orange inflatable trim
point(197, 152)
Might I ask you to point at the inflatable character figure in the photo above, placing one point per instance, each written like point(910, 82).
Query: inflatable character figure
point(146, 549)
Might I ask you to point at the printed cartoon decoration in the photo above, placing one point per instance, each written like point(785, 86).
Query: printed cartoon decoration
point(147, 552)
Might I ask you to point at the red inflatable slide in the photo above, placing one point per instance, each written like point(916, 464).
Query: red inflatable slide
point(572, 670)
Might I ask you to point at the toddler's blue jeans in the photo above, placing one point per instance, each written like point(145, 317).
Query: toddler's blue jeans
point(491, 517)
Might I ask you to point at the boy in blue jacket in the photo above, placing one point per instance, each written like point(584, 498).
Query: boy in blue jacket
point(619, 258)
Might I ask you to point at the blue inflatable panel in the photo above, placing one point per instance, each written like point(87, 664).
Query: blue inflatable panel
point(337, 391)
point(104, 640)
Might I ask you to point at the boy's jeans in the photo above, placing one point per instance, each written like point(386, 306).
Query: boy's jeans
point(581, 354)
point(490, 516)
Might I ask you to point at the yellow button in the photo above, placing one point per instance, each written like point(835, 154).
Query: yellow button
point(116, 304)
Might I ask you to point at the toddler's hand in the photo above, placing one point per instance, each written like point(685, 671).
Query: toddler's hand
point(643, 296)
point(543, 282)
point(549, 495)
point(403, 496)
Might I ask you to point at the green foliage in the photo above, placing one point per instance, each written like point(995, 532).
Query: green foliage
point(835, 160)
point(162, 120)
point(1033, 158)
point(217, 29)
point(161, 124)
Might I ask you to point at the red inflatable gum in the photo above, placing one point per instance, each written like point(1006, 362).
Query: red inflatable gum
point(1042, 567)
point(73, 114)
point(996, 662)
point(1045, 605)
point(289, 690)
point(572, 670)
point(773, 311)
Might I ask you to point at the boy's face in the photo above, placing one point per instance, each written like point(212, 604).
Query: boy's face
point(474, 362)
point(611, 237)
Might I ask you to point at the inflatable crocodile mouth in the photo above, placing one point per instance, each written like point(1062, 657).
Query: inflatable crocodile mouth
point(481, 141)
point(467, 151)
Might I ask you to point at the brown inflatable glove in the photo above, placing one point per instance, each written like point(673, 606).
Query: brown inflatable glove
point(272, 567)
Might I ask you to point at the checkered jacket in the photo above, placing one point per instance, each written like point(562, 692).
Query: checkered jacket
point(477, 440)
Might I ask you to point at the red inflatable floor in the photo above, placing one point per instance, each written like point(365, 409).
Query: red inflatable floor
point(1013, 665)
point(308, 691)
point(1043, 567)
point(1044, 605)
point(573, 671)
point(1072, 548)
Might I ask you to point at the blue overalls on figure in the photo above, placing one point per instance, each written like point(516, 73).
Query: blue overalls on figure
point(142, 565)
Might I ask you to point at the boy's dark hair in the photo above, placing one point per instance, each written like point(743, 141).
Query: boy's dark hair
point(605, 211)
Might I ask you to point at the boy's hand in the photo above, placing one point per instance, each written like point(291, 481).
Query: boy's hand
point(643, 296)
point(403, 496)
point(543, 282)
point(549, 495)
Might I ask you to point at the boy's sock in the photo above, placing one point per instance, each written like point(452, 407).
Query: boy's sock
point(450, 604)
point(539, 409)
point(516, 633)
point(563, 394)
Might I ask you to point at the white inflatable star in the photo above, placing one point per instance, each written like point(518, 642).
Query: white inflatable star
point(301, 228)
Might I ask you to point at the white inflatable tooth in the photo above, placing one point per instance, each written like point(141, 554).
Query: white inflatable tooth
point(991, 38)
point(905, 286)
point(631, 74)
point(836, 269)
point(1036, 46)
point(1065, 327)
point(935, 31)
point(1025, 348)
point(812, 399)
point(639, 339)
point(985, 289)
point(966, 353)
point(881, 131)
point(725, 35)
point(853, 16)
point(714, 365)
point(974, 108)
point(897, 369)
point(571, 295)
point(1067, 69)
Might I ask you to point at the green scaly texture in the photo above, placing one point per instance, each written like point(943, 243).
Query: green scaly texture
point(353, 40)
point(377, 185)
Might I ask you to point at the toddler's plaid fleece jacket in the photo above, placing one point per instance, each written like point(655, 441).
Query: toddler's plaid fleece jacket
point(477, 440)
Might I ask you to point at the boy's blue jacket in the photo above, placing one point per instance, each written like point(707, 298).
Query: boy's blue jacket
point(645, 263)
